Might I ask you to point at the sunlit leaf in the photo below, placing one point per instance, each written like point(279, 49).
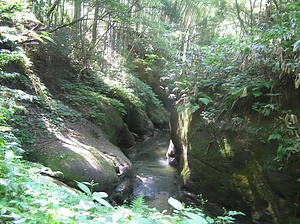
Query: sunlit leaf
point(2, 142)
point(175, 203)
point(101, 194)
point(86, 205)
point(144, 221)
point(296, 46)
point(233, 213)
point(195, 218)
point(98, 196)
point(9, 155)
point(4, 128)
point(210, 220)
point(84, 188)
point(46, 36)
point(205, 100)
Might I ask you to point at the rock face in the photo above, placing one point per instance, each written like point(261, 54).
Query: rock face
point(114, 128)
point(171, 154)
point(139, 123)
point(231, 167)
point(82, 153)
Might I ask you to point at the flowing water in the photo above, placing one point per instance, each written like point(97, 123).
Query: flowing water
point(156, 180)
point(154, 177)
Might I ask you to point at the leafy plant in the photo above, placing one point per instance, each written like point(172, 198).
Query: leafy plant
point(195, 215)
point(227, 217)
point(265, 108)
point(286, 137)
point(138, 204)
point(98, 196)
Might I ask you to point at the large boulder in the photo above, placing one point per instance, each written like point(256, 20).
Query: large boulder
point(114, 128)
point(231, 167)
point(158, 115)
point(139, 123)
point(82, 153)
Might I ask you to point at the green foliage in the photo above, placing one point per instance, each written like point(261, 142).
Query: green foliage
point(195, 215)
point(121, 91)
point(286, 149)
point(228, 217)
point(241, 75)
point(265, 108)
point(28, 197)
point(85, 94)
point(138, 204)
point(152, 63)
point(274, 136)
point(217, 77)
point(286, 136)
point(97, 196)
point(143, 91)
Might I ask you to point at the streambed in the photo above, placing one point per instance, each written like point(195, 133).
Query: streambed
point(154, 177)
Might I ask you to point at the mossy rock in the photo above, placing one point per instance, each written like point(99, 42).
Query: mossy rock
point(139, 123)
point(82, 153)
point(231, 167)
point(158, 115)
point(114, 128)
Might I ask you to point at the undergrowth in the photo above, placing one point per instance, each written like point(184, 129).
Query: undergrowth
point(245, 77)
point(29, 197)
point(26, 195)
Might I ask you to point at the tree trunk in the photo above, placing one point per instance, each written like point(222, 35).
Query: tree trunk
point(95, 24)
point(242, 24)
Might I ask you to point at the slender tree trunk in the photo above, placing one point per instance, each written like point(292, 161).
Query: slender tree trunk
point(95, 24)
point(242, 24)
point(62, 12)
point(77, 15)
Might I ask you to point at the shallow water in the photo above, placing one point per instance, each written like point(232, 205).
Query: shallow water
point(156, 180)
point(154, 177)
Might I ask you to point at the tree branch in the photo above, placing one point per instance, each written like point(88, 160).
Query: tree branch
point(276, 4)
point(66, 25)
point(56, 3)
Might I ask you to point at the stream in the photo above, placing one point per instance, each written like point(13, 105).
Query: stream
point(154, 179)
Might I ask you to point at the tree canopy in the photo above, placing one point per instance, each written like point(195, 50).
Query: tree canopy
point(209, 54)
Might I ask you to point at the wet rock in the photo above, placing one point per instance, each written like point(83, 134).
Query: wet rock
point(162, 194)
point(50, 173)
point(122, 191)
point(172, 156)
point(158, 115)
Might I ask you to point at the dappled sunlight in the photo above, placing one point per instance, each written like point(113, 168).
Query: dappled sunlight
point(243, 186)
point(185, 119)
point(163, 161)
point(225, 149)
point(254, 187)
point(74, 145)
point(87, 83)
point(88, 156)
point(264, 189)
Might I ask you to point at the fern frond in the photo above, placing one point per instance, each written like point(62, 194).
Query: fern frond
point(138, 204)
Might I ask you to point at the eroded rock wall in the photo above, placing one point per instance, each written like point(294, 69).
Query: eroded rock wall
point(230, 166)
